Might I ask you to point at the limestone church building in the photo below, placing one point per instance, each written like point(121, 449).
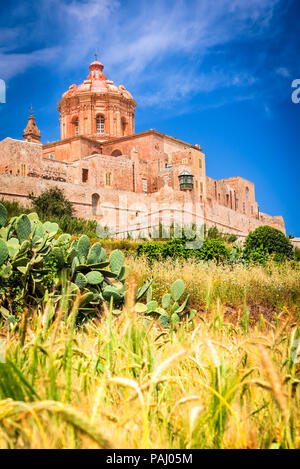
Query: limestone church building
point(124, 180)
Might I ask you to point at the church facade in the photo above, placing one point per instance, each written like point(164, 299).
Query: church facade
point(129, 182)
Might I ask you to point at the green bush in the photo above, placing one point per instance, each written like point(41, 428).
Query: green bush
point(214, 249)
point(52, 203)
point(214, 233)
point(210, 249)
point(13, 208)
point(267, 241)
point(68, 224)
point(76, 226)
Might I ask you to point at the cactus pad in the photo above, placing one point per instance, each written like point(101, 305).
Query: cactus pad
point(177, 290)
point(94, 254)
point(81, 280)
point(116, 260)
point(23, 228)
point(83, 248)
point(111, 292)
point(94, 277)
point(3, 215)
point(3, 251)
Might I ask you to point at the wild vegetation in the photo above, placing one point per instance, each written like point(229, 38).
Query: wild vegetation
point(68, 223)
point(127, 382)
point(123, 350)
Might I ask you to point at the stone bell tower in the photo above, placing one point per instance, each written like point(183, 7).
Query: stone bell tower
point(32, 133)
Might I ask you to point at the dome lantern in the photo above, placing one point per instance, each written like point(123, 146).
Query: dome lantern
point(96, 70)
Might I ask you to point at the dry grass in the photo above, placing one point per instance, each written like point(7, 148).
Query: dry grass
point(267, 289)
point(122, 383)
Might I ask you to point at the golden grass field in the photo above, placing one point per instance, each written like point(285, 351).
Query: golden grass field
point(230, 380)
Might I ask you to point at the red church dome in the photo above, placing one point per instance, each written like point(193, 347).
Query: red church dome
point(96, 82)
point(97, 108)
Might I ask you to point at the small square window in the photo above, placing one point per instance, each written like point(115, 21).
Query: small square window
point(85, 175)
point(144, 185)
point(108, 179)
point(23, 170)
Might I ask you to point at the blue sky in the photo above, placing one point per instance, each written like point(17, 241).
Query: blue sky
point(213, 72)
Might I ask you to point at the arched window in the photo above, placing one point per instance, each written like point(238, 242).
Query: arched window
point(95, 203)
point(76, 126)
point(100, 124)
point(247, 193)
point(116, 153)
point(123, 126)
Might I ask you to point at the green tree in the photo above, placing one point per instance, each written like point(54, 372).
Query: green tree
point(268, 240)
point(52, 203)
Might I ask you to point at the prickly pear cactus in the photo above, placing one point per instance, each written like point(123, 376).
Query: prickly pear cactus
point(83, 247)
point(81, 280)
point(23, 227)
point(94, 254)
point(59, 257)
point(27, 250)
point(3, 251)
point(102, 256)
point(111, 292)
point(38, 231)
point(94, 277)
point(3, 215)
point(6, 271)
point(177, 289)
point(166, 300)
point(51, 228)
point(13, 246)
point(63, 240)
point(116, 260)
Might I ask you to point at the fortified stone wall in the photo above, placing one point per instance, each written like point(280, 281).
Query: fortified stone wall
point(230, 221)
point(18, 157)
point(296, 242)
point(235, 193)
point(100, 178)
point(122, 208)
point(276, 222)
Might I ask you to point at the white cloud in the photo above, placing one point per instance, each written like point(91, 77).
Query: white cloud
point(283, 71)
point(159, 44)
point(14, 64)
point(175, 88)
